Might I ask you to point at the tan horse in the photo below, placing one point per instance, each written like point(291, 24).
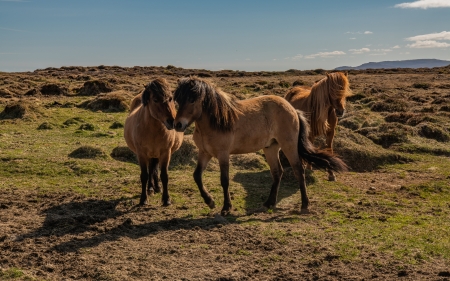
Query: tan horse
point(323, 104)
point(148, 133)
point(225, 126)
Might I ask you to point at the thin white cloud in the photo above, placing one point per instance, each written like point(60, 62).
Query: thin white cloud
point(428, 44)
point(10, 29)
point(432, 40)
point(359, 32)
point(444, 35)
point(353, 38)
point(359, 51)
point(325, 55)
point(297, 57)
point(424, 4)
point(396, 47)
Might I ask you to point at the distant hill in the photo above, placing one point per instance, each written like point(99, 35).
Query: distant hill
point(420, 63)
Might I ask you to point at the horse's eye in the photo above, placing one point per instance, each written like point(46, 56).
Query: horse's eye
point(192, 100)
point(155, 100)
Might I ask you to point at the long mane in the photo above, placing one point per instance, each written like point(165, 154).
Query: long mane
point(333, 87)
point(222, 109)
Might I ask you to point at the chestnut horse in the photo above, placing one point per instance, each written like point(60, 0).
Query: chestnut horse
point(148, 133)
point(225, 126)
point(323, 104)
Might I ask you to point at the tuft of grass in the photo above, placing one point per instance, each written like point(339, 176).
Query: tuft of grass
point(87, 152)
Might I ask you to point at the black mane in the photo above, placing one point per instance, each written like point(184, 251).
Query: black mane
point(223, 110)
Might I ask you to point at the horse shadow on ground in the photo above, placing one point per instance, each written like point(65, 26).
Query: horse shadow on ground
point(70, 227)
point(257, 185)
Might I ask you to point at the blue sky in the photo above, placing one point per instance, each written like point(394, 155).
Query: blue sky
point(249, 35)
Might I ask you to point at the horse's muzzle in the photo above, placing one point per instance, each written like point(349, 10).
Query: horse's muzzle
point(179, 127)
point(169, 124)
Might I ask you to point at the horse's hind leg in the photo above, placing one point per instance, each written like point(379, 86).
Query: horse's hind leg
point(272, 157)
point(165, 159)
point(153, 186)
point(144, 180)
point(299, 172)
point(224, 163)
point(203, 159)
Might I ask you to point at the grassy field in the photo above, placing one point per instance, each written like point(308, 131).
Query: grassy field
point(68, 209)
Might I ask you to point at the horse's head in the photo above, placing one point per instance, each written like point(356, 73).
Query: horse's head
point(189, 95)
point(339, 90)
point(159, 99)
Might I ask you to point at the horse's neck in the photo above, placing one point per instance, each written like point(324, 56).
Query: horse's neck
point(146, 115)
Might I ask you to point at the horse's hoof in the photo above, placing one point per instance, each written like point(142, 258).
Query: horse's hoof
point(211, 204)
point(304, 211)
point(331, 178)
point(167, 203)
point(143, 203)
point(157, 190)
point(269, 205)
point(224, 212)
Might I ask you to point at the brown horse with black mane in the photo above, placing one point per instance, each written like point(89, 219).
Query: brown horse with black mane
point(323, 104)
point(225, 126)
point(148, 133)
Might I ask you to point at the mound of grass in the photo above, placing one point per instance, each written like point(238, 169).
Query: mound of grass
point(351, 123)
point(389, 105)
point(94, 88)
point(88, 152)
point(445, 108)
point(298, 82)
point(5, 93)
point(361, 154)
point(186, 155)
point(116, 125)
point(113, 102)
point(73, 121)
point(54, 90)
point(356, 97)
point(432, 131)
point(15, 111)
point(249, 161)
point(45, 126)
point(124, 154)
point(32, 92)
point(399, 117)
point(87, 127)
point(388, 134)
point(424, 86)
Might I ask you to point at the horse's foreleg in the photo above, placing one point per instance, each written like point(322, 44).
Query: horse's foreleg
point(273, 159)
point(144, 180)
point(165, 159)
point(203, 159)
point(153, 186)
point(224, 163)
point(332, 121)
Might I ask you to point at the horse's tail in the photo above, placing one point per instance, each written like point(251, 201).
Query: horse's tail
point(306, 150)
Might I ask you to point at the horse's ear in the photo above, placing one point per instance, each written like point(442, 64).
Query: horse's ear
point(145, 97)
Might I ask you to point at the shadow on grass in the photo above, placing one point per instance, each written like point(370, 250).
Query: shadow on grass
point(258, 184)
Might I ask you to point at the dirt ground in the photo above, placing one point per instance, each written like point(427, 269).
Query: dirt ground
point(67, 237)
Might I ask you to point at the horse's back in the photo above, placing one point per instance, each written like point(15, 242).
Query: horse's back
point(264, 119)
point(135, 102)
point(297, 97)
